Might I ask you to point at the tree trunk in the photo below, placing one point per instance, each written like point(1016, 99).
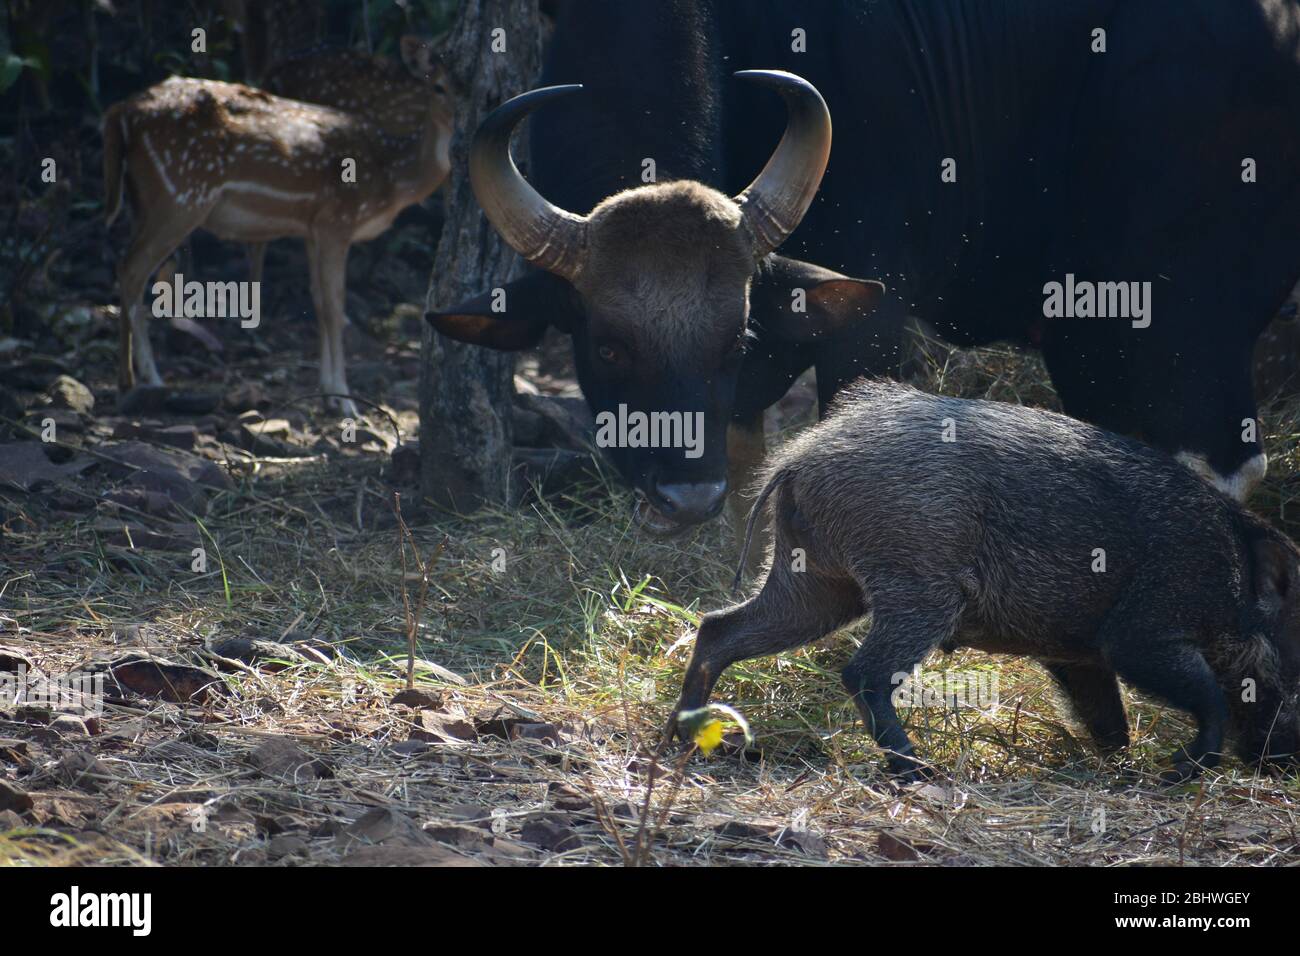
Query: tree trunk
point(465, 390)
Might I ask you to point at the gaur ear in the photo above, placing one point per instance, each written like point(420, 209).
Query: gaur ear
point(802, 302)
point(1274, 571)
point(512, 317)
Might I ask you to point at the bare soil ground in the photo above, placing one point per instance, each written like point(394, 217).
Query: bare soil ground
point(548, 652)
point(253, 701)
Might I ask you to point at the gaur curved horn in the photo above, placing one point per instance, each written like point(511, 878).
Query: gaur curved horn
point(547, 236)
point(777, 199)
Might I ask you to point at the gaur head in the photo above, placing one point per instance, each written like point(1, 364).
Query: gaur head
point(662, 288)
point(1263, 673)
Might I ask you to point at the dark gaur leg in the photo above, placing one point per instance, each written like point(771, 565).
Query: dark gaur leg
point(792, 609)
point(909, 620)
point(1093, 692)
point(1173, 670)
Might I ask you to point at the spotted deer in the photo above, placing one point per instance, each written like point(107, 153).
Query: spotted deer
point(250, 166)
point(353, 81)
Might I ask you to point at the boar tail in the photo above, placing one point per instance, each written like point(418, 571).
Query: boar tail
point(759, 504)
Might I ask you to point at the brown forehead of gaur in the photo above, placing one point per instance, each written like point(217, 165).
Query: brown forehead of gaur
point(667, 271)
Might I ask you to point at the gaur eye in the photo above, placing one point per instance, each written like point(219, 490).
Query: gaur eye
point(608, 353)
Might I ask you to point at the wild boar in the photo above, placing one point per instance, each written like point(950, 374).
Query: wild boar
point(1013, 530)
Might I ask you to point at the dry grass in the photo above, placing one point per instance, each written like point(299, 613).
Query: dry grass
point(576, 633)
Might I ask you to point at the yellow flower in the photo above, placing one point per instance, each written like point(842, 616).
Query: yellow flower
point(709, 736)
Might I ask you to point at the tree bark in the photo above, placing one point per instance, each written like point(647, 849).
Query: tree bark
point(466, 391)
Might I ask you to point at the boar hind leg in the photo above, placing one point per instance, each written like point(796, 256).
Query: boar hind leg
point(1093, 692)
point(1176, 672)
point(791, 610)
point(908, 622)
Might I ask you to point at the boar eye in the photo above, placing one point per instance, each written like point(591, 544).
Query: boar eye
point(609, 354)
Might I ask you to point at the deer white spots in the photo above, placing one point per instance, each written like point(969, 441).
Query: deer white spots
point(250, 166)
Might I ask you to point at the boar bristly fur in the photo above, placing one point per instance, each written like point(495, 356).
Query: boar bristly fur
point(1012, 530)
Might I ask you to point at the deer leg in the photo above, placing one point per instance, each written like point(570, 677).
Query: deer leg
point(328, 260)
point(155, 240)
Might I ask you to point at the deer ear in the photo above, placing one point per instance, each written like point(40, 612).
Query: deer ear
point(509, 318)
point(419, 55)
point(801, 302)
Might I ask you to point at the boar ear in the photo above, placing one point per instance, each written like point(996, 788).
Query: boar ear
point(801, 302)
point(1274, 571)
point(512, 317)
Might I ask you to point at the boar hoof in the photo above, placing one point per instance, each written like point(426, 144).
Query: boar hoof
point(1182, 772)
point(909, 770)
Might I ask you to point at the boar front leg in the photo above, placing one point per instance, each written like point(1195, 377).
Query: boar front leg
point(1093, 692)
point(792, 609)
point(1174, 670)
point(909, 620)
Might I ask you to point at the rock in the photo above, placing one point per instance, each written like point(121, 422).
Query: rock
point(280, 757)
point(266, 655)
point(246, 395)
point(82, 771)
point(14, 660)
point(457, 835)
point(550, 835)
point(417, 699)
point(14, 751)
point(893, 848)
point(142, 500)
point(174, 436)
point(33, 373)
point(10, 821)
point(145, 676)
point(12, 798)
point(66, 422)
point(545, 733)
point(143, 400)
point(383, 825)
point(192, 403)
point(181, 476)
point(805, 841)
point(406, 856)
point(24, 465)
point(286, 844)
point(70, 726)
point(66, 392)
